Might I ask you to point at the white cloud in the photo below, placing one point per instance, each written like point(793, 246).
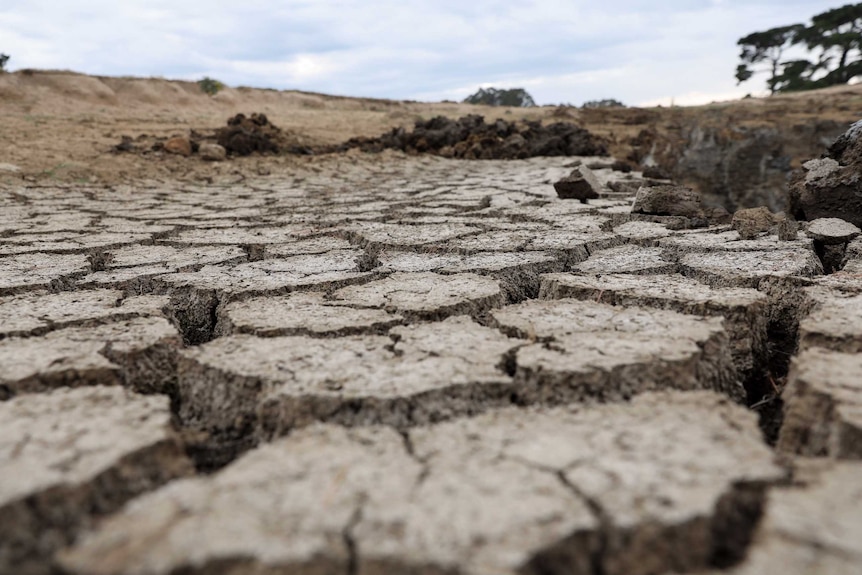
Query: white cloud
point(562, 51)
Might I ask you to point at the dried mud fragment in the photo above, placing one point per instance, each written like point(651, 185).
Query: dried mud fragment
point(810, 530)
point(138, 353)
point(510, 491)
point(239, 387)
point(823, 405)
point(588, 351)
point(744, 310)
point(71, 455)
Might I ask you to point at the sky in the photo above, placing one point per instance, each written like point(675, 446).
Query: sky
point(639, 52)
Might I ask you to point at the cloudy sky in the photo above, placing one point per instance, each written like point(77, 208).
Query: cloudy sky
point(639, 52)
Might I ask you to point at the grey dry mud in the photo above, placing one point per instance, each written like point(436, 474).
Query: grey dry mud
point(417, 365)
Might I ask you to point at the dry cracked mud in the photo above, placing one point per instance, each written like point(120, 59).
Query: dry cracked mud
point(421, 366)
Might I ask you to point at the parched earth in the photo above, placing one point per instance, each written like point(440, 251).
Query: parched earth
point(423, 366)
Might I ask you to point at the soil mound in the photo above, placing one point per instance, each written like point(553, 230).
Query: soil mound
point(471, 138)
point(245, 135)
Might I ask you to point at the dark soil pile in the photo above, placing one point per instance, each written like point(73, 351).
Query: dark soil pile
point(245, 135)
point(472, 138)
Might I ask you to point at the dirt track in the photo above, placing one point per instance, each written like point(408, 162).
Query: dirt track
point(418, 365)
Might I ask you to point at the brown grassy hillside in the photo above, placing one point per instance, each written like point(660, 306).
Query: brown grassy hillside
point(61, 126)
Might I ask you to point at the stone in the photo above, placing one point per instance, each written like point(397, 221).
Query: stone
point(179, 146)
point(585, 351)
point(743, 310)
point(823, 405)
point(212, 152)
point(668, 200)
point(830, 187)
point(138, 353)
point(656, 173)
point(581, 185)
point(70, 456)
point(510, 491)
point(787, 229)
point(830, 231)
point(751, 222)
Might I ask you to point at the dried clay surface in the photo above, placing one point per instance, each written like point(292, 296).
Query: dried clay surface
point(421, 365)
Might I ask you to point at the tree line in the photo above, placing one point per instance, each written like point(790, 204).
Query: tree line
point(832, 43)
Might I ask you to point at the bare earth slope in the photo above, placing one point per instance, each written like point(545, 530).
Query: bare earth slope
point(61, 126)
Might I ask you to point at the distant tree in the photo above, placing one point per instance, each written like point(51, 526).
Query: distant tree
point(833, 37)
point(606, 103)
point(765, 48)
point(837, 34)
point(3, 59)
point(517, 97)
point(210, 86)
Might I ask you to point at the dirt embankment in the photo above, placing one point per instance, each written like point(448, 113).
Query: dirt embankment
point(62, 126)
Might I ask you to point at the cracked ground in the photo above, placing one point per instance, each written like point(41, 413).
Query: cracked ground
point(420, 366)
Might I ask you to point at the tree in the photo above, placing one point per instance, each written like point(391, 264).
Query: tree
point(834, 37)
point(837, 34)
point(210, 86)
point(517, 97)
point(766, 47)
point(3, 59)
point(606, 103)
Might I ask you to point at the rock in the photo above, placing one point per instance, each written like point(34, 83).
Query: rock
point(831, 187)
point(668, 200)
point(823, 405)
point(9, 168)
point(212, 152)
point(72, 455)
point(831, 231)
point(581, 185)
point(787, 229)
point(751, 222)
point(717, 215)
point(179, 145)
point(511, 491)
point(656, 173)
point(621, 166)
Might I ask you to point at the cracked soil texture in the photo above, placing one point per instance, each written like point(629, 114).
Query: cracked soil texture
point(419, 366)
